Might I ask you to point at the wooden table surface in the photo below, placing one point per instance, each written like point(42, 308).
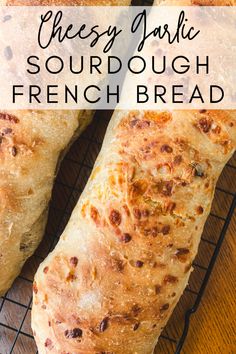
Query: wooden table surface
point(213, 327)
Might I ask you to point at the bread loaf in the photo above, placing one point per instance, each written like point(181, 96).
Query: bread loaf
point(31, 143)
point(126, 254)
point(125, 257)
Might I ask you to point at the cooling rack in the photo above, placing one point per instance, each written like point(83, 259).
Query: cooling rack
point(15, 308)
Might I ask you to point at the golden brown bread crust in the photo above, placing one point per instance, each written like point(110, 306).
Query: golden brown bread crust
point(31, 143)
point(125, 257)
point(126, 254)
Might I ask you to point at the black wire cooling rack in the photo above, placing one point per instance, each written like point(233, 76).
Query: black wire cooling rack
point(15, 308)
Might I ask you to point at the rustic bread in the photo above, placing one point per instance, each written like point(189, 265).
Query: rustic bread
point(31, 143)
point(125, 257)
point(126, 254)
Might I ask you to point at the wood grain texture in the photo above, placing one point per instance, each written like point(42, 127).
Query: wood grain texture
point(212, 328)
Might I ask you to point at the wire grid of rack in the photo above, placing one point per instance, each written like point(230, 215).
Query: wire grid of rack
point(15, 308)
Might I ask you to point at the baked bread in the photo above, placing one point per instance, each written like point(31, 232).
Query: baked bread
point(126, 254)
point(31, 143)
